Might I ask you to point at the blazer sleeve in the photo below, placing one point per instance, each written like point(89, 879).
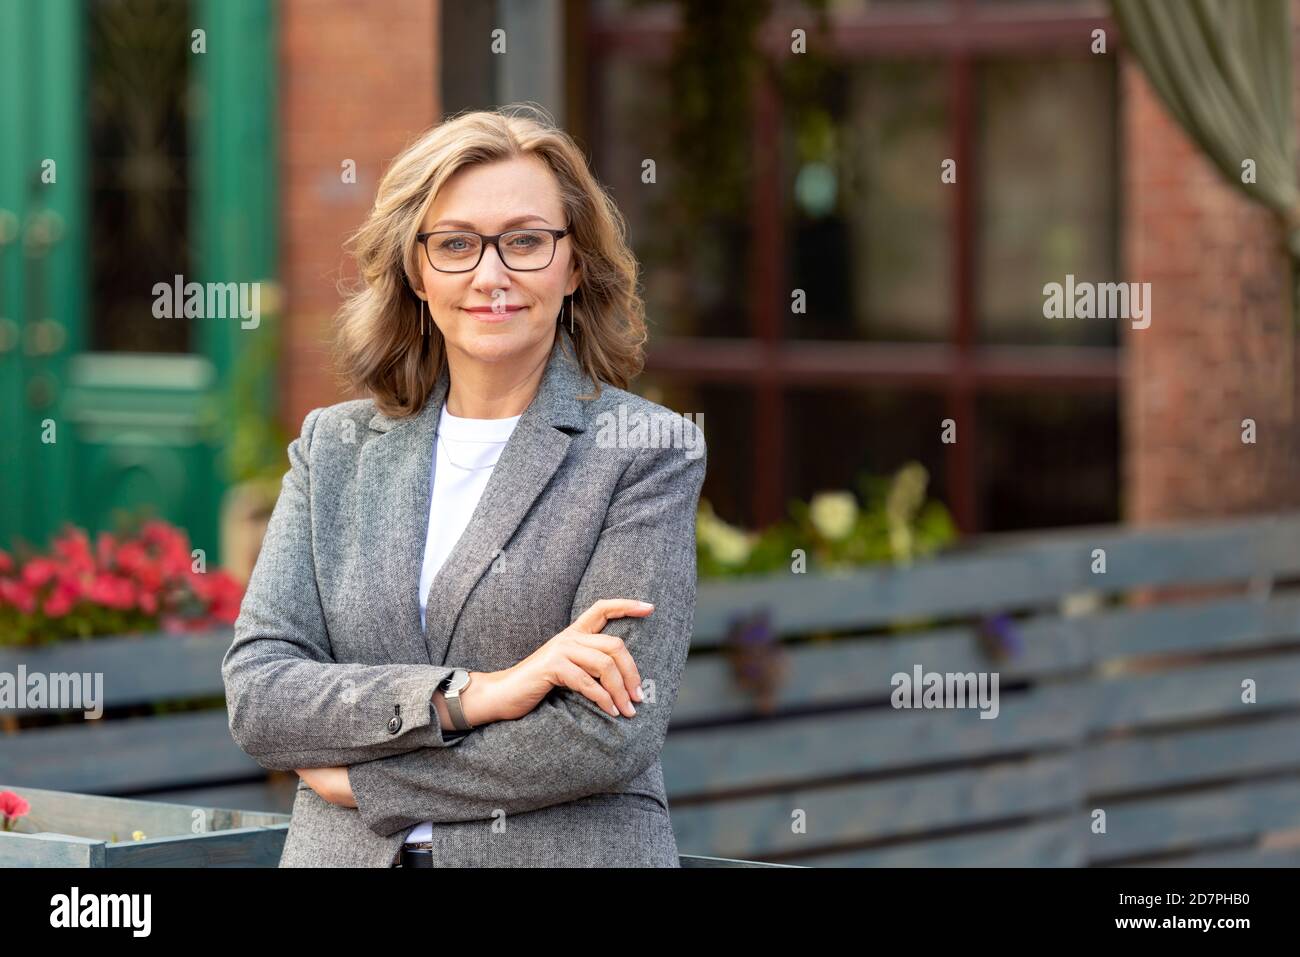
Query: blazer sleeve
point(567, 747)
point(290, 704)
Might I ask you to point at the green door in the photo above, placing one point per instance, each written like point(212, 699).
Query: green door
point(135, 146)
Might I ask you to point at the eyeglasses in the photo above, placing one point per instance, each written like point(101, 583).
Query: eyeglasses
point(522, 250)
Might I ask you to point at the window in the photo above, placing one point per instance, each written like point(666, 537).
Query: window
point(922, 300)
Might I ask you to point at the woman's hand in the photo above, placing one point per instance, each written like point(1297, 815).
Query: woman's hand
point(330, 783)
point(569, 660)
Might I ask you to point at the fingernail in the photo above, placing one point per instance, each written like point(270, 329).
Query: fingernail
point(630, 708)
point(636, 693)
point(646, 604)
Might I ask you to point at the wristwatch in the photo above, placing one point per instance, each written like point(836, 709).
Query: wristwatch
point(451, 694)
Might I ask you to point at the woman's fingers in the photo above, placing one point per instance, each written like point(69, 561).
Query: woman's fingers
point(615, 647)
point(574, 676)
point(598, 615)
point(596, 663)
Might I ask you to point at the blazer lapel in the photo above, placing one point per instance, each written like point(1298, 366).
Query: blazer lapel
point(400, 463)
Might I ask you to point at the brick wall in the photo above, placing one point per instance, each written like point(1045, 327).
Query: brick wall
point(1215, 352)
point(357, 81)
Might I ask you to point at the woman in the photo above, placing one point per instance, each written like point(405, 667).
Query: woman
point(445, 633)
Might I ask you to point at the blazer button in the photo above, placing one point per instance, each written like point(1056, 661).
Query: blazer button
point(394, 724)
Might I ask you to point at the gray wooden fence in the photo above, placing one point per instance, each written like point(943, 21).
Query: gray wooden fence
point(1131, 709)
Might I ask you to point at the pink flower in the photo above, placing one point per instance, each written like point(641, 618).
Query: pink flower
point(39, 571)
point(19, 595)
point(111, 591)
point(6, 562)
point(58, 604)
point(12, 807)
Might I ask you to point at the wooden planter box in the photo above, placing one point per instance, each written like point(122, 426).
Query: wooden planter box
point(84, 830)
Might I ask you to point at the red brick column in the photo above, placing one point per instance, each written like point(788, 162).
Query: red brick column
point(1214, 352)
point(358, 83)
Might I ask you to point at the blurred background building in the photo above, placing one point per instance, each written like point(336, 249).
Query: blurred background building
point(775, 172)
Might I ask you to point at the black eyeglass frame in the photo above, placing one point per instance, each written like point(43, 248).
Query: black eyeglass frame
point(485, 241)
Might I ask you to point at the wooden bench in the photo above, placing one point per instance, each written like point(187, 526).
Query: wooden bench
point(1134, 709)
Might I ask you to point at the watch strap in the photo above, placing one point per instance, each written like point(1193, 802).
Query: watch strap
point(455, 709)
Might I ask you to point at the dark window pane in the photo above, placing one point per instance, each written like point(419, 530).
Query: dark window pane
point(1047, 195)
point(866, 211)
point(728, 423)
point(836, 438)
point(1047, 461)
point(139, 219)
point(693, 263)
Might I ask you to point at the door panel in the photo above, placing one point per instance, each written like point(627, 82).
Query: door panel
point(99, 87)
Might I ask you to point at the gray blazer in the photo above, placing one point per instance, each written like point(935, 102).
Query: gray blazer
point(329, 666)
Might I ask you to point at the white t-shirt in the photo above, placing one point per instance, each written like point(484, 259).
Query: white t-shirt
point(466, 451)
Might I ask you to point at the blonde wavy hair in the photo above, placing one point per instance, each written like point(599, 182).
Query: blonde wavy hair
point(379, 347)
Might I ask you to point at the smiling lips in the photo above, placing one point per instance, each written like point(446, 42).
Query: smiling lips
point(494, 313)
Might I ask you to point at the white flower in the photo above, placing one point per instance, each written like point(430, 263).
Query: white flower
point(833, 514)
point(728, 544)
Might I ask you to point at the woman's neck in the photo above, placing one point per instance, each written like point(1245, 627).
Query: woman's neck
point(483, 390)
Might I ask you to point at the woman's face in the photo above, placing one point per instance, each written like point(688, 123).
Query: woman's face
point(491, 313)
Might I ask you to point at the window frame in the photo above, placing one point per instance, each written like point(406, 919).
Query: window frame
point(960, 369)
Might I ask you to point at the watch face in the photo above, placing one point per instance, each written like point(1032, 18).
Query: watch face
point(459, 679)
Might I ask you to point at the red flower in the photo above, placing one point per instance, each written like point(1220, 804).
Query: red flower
point(19, 595)
point(105, 545)
point(12, 806)
point(73, 546)
point(6, 563)
point(112, 591)
point(60, 602)
point(39, 571)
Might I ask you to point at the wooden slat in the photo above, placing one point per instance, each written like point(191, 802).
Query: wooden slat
point(1231, 624)
point(49, 850)
point(1122, 766)
point(136, 754)
point(697, 860)
point(860, 669)
point(1183, 694)
point(136, 669)
point(1247, 857)
point(271, 797)
point(238, 847)
point(1187, 821)
point(992, 578)
point(792, 750)
point(1054, 843)
point(99, 817)
point(866, 811)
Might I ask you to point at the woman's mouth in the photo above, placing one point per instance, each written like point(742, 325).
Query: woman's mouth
point(493, 314)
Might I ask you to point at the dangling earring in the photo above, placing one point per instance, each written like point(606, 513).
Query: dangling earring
point(569, 302)
point(423, 328)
